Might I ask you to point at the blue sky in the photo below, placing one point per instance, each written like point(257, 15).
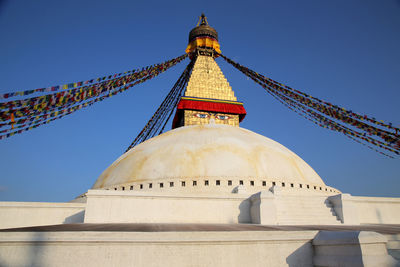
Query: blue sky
point(345, 51)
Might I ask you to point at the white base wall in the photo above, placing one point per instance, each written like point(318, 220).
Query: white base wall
point(377, 210)
point(157, 249)
point(23, 214)
point(366, 210)
point(276, 207)
point(197, 248)
point(106, 206)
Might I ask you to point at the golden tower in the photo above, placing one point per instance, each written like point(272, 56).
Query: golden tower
point(208, 97)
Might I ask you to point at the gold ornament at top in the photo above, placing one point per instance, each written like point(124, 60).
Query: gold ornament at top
point(203, 37)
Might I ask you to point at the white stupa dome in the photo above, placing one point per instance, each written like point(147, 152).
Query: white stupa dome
point(218, 154)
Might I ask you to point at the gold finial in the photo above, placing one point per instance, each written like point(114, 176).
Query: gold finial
point(202, 20)
point(203, 36)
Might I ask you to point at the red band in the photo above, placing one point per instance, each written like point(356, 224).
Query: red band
point(218, 107)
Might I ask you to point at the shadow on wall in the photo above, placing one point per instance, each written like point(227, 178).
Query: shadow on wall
point(36, 249)
point(302, 256)
point(244, 211)
point(343, 248)
point(27, 253)
point(378, 215)
point(75, 218)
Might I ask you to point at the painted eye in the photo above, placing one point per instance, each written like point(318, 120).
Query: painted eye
point(202, 116)
point(222, 117)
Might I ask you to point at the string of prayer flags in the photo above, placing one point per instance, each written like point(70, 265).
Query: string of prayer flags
point(30, 113)
point(376, 133)
point(160, 118)
point(69, 85)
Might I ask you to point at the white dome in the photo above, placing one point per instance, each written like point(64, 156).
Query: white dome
point(208, 152)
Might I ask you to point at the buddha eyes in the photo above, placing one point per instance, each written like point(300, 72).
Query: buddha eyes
point(202, 116)
point(219, 117)
point(222, 117)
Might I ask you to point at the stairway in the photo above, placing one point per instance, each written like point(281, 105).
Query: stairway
point(305, 210)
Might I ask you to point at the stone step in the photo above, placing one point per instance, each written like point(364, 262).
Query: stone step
point(308, 203)
point(294, 219)
point(325, 220)
point(307, 200)
point(313, 213)
point(308, 206)
point(306, 216)
point(294, 210)
point(320, 215)
point(333, 219)
point(308, 223)
point(305, 208)
point(314, 205)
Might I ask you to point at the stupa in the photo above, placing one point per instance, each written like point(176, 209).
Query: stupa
point(206, 193)
point(207, 151)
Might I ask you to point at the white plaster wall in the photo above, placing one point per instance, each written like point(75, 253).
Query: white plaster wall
point(377, 209)
point(104, 206)
point(268, 248)
point(22, 214)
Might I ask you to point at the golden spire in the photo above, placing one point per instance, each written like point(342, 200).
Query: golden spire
point(208, 96)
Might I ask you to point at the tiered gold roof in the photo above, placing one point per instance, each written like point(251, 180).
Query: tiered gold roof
point(208, 81)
